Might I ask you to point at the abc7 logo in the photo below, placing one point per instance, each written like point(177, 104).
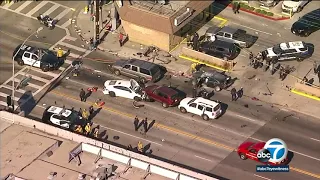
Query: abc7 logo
point(264, 155)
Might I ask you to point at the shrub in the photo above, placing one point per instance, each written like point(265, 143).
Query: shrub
point(263, 12)
point(270, 14)
point(258, 10)
point(252, 8)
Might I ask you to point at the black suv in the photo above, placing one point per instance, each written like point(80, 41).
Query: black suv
point(307, 24)
point(220, 49)
point(209, 79)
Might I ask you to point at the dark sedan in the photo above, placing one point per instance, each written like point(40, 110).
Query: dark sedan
point(307, 24)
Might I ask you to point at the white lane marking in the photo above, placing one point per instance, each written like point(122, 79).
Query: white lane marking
point(25, 4)
point(315, 139)
point(35, 9)
point(72, 46)
point(53, 8)
point(116, 130)
point(203, 158)
point(242, 55)
point(6, 6)
point(261, 177)
point(253, 29)
point(63, 13)
point(246, 118)
point(83, 84)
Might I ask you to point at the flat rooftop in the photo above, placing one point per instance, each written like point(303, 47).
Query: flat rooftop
point(31, 154)
point(168, 9)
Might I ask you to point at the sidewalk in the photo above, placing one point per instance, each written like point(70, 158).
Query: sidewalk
point(257, 87)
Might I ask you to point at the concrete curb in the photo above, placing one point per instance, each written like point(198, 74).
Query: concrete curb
point(305, 94)
point(261, 15)
point(197, 61)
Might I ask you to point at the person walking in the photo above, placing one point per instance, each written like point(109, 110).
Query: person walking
point(188, 40)
point(145, 125)
point(59, 53)
point(195, 40)
point(315, 67)
point(240, 92)
point(136, 123)
point(121, 39)
point(87, 129)
point(96, 132)
point(237, 8)
point(82, 94)
point(91, 110)
point(140, 146)
point(234, 94)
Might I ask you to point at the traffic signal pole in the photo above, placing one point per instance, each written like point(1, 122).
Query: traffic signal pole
point(97, 22)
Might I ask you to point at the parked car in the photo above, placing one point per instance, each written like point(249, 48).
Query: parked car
point(308, 24)
point(250, 150)
point(293, 6)
point(210, 79)
point(269, 3)
point(232, 35)
point(138, 69)
point(37, 57)
point(63, 118)
point(205, 108)
point(166, 95)
point(297, 50)
point(123, 88)
point(220, 49)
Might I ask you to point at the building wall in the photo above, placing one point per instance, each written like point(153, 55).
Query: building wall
point(146, 36)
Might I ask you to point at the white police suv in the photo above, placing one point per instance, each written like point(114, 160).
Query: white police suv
point(297, 50)
point(64, 118)
point(205, 108)
point(123, 88)
point(37, 57)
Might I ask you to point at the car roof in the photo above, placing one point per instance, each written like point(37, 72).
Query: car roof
point(117, 83)
point(206, 101)
point(142, 64)
point(219, 43)
point(57, 110)
point(258, 145)
point(292, 45)
point(314, 15)
point(168, 90)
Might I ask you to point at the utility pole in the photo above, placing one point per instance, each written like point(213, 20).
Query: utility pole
point(97, 22)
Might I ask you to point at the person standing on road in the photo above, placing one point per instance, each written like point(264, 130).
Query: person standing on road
point(145, 125)
point(234, 94)
point(237, 8)
point(140, 146)
point(315, 67)
point(136, 123)
point(121, 39)
point(85, 114)
point(82, 94)
point(96, 132)
point(87, 129)
point(91, 110)
point(188, 40)
point(240, 93)
point(59, 53)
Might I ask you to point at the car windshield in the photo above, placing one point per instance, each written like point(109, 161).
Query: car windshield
point(175, 96)
point(154, 70)
point(217, 107)
point(192, 100)
point(276, 49)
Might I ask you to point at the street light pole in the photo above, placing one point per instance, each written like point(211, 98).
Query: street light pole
point(13, 58)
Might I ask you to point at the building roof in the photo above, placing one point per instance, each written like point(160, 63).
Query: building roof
point(163, 22)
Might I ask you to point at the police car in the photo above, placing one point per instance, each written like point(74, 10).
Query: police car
point(37, 57)
point(64, 118)
point(297, 50)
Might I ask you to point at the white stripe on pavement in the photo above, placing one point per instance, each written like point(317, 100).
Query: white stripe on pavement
point(10, 88)
point(54, 7)
point(3, 103)
point(35, 9)
point(60, 15)
point(72, 46)
point(24, 5)
point(29, 84)
point(5, 95)
point(37, 78)
point(47, 73)
point(6, 6)
point(66, 24)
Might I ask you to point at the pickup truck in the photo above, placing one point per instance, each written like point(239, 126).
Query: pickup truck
point(228, 34)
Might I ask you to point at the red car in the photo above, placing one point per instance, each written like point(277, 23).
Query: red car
point(250, 149)
point(166, 95)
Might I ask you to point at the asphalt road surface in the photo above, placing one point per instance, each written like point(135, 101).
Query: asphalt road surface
point(186, 139)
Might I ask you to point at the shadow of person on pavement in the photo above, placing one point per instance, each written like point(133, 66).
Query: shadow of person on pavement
point(94, 114)
point(150, 125)
point(146, 148)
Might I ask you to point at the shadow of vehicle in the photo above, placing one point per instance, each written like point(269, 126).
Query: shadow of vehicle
point(310, 49)
point(218, 6)
point(290, 156)
point(163, 71)
point(224, 108)
point(26, 103)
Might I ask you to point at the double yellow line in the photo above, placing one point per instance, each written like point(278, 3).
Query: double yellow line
point(177, 131)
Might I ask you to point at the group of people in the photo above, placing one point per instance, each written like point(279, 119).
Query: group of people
point(235, 95)
point(87, 116)
point(193, 41)
point(86, 130)
point(84, 95)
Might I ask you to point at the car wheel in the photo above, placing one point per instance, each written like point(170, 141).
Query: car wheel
point(243, 156)
point(117, 72)
point(299, 9)
point(307, 34)
point(20, 62)
point(112, 94)
point(143, 80)
point(45, 69)
point(205, 117)
point(217, 88)
point(183, 110)
point(165, 105)
point(299, 59)
point(136, 98)
point(225, 58)
point(149, 99)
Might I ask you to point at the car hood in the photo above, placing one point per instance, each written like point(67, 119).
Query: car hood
point(185, 100)
point(245, 145)
point(270, 52)
point(150, 88)
point(290, 3)
point(298, 26)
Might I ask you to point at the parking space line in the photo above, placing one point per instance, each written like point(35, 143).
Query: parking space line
point(252, 29)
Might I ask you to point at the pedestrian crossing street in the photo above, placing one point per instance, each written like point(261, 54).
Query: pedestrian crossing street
point(32, 9)
point(39, 79)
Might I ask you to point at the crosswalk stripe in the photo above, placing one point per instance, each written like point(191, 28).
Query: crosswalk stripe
point(25, 4)
point(35, 9)
point(3, 103)
point(63, 13)
point(73, 47)
point(29, 84)
point(10, 88)
point(74, 55)
point(47, 73)
point(6, 6)
point(38, 78)
point(5, 95)
point(67, 23)
point(54, 7)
